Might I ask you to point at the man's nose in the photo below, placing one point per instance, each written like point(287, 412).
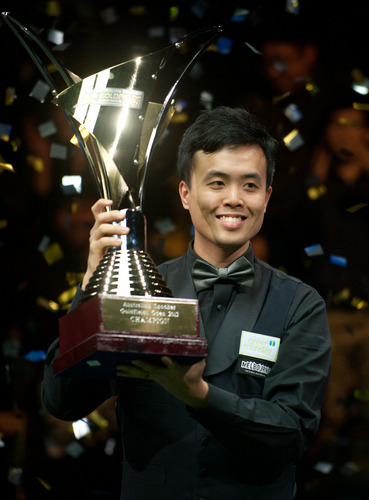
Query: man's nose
point(234, 196)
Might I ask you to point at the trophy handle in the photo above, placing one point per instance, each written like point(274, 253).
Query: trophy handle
point(37, 49)
point(162, 120)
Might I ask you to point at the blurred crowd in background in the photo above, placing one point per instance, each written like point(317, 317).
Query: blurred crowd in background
point(303, 68)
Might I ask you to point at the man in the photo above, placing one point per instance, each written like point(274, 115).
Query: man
point(234, 425)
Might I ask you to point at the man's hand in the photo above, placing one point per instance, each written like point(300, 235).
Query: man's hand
point(182, 381)
point(102, 234)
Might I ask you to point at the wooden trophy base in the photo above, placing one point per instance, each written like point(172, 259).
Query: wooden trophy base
point(109, 329)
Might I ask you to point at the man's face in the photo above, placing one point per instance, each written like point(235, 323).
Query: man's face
point(227, 201)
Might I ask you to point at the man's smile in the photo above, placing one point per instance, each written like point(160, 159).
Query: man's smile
point(231, 218)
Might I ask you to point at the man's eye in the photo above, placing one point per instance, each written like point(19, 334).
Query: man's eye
point(217, 183)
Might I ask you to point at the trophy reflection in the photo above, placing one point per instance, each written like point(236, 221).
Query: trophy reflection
point(118, 116)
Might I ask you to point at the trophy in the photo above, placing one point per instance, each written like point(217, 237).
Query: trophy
point(118, 115)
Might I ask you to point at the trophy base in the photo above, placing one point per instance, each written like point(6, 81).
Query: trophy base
point(108, 330)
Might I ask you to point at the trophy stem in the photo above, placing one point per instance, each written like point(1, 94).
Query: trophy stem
point(128, 270)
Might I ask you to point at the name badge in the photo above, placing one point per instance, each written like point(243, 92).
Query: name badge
point(257, 354)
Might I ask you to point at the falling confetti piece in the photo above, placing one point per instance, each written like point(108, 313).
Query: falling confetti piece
point(314, 250)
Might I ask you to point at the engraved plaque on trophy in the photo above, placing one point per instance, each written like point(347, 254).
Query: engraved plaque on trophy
point(118, 116)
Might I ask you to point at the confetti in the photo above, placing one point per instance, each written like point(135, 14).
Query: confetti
point(338, 260)
point(98, 420)
point(35, 356)
point(6, 166)
point(36, 163)
point(53, 253)
point(359, 304)
point(53, 8)
point(173, 13)
point(199, 8)
point(5, 131)
point(47, 128)
point(138, 10)
point(293, 113)
point(47, 304)
point(44, 483)
point(74, 450)
point(357, 207)
point(315, 192)
point(10, 96)
point(314, 250)
point(253, 48)
point(66, 297)
point(293, 140)
point(109, 16)
point(361, 394)
point(311, 87)
point(361, 106)
point(40, 91)
point(323, 467)
point(165, 226)
point(292, 7)
point(55, 36)
point(360, 83)
point(81, 428)
point(350, 123)
point(206, 99)
point(72, 184)
point(341, 296)
point(58, 151)
point(156, 32)
point(239, 15)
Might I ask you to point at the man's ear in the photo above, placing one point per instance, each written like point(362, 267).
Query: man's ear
point(184, 191)
point(267, 197)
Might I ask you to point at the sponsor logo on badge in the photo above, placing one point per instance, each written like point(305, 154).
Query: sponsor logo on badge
point(257, 353)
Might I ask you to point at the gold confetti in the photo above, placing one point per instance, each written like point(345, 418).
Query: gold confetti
point(67, 296)
point(10, 96)
point(84, 133)
point(98, 420)
point(47, 304)
point(73, 278)
point(293, 140)
point(138, 10)
point(15, 143)
point(311, 87)
point(180, 118)
point(358, 75)
point(350, 123)
point(3, 223)
point(357, 207)
point(359, 304)
point(44, 483)
point(361, 106)
point(53, 253)
point(53, 8)
point(36, 163)
point(6, 166)
point(173, 12)
point(279, 98)
point(361, 394)
point(341, 296)
point(315, 192)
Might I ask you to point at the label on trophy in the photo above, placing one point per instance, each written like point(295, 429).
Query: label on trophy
point(110, 96)
point(165, 316)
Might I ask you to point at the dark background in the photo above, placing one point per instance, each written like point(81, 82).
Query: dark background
point(44, 228)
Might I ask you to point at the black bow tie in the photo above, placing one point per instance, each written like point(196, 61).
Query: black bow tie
point(205, 275)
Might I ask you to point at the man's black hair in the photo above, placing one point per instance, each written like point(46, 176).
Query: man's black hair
point(224, 127)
